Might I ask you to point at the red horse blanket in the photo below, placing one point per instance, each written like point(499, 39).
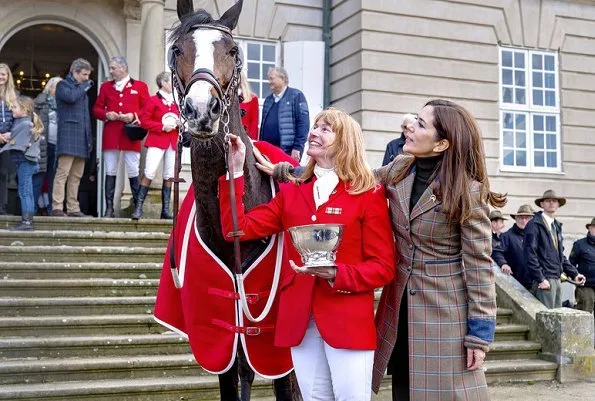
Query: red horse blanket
point(206, 309)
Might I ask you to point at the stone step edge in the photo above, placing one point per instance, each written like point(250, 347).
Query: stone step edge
point(77, 341)
point(519, 365)
point(79, 282)
point(80, 364)
point(44, 302)
point(103, 387)
point(79, 265)
point(72, 234)
point(80, 250)
point(75, 320)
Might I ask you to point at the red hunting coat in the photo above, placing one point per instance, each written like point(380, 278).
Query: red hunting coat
point(150, 119)
point(205, 309)
point(344, 313)
point(131, 100)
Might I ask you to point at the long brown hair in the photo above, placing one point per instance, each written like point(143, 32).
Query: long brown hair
point(28, 106)
point(462, 163)
point(7, 91)
point(350, 162)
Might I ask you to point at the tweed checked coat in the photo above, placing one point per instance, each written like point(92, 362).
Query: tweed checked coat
point(74, 121)
point(446, 273)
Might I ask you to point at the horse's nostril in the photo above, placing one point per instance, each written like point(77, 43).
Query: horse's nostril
point(189, 110)
point(214, 107)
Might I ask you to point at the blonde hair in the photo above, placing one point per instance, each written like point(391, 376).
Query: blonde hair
point(245, 87)
point(8, 92)
point(349, 152)
point(51, 84)
point(27, 105)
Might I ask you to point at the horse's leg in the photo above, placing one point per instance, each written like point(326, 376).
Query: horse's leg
point(228, 383)
point(286, 388)
point(246, 375)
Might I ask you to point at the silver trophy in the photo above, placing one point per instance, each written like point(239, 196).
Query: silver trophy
point(317, 243)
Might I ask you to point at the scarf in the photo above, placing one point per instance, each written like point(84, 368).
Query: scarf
point(326, 181)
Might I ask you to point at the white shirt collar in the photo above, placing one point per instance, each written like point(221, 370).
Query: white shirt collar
point(280, 95)
point(326, 182)
point(549, 220)
point(119, 85)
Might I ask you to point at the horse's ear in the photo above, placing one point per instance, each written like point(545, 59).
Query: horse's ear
point(231, 16)
point(185, 7)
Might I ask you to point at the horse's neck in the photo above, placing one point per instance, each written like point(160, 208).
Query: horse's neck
point(208, 164)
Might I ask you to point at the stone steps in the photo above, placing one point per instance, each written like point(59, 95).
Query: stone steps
point(83, 238)
point(78, 369)
point(76, 306)
point(46, 223)
point(511, 332)
point(100, 287)
point(195, 388)
point(80, 254)
point(69, 270)
point(78, 325)
point(103, 346)
point(506, 371)
point(512, 350)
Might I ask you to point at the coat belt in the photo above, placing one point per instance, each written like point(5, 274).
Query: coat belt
point(247, 330)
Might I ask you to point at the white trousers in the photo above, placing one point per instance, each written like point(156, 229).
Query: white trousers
point(132, 160)
point(325, 373)
point(154, 156)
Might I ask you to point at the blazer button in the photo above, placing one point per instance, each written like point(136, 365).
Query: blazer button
point(410, 246)
point(412, 292)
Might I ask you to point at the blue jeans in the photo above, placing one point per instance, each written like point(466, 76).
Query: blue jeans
point(51, 172)
point(25, 170)
point(37, 184)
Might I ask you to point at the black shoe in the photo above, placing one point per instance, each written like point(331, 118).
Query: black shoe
point(77, 214)
point(110, 188)
point(58, 213)
point(165, 195)
point(26, 223)
point(138, 210)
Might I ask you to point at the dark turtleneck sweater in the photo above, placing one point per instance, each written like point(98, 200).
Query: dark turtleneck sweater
point(424, 168)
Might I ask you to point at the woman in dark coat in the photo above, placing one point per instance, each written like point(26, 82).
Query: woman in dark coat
point(8, 98)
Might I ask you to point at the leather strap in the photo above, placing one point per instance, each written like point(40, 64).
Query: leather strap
point(247, 330)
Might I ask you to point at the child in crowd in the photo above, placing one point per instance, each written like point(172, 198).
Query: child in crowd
point(24, 147)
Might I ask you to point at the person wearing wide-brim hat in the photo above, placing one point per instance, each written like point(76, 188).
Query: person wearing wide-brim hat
point(583, 256)
point(509, 254)
point(497, 221)
point(543, 251)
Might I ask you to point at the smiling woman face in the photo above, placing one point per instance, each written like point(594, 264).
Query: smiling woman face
point(321, 137)
point(3, 76)
point(421, 138)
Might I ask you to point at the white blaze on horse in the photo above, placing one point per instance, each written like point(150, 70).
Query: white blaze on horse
point(202, 301)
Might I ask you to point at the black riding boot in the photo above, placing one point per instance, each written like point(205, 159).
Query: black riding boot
point(138, 210)
point(134, 187)
point(26, 223)
point(110, 189)
point(165, 195)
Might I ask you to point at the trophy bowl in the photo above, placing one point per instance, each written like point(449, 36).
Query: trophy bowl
point(317, 243)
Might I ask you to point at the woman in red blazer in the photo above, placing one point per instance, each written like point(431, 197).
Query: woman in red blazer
point(249, 108)
point(161, 117)
point(326, 314)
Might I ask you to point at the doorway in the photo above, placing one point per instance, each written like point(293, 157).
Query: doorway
point(36, 53)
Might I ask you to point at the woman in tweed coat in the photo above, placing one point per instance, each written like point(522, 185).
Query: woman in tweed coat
point(437, 317)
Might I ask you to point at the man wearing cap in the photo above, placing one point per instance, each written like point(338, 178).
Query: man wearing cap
point(543, 250)
point(509, 253)
point(583, 256)
point(497, 221)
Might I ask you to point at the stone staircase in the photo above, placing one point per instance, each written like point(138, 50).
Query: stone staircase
point(76, 301)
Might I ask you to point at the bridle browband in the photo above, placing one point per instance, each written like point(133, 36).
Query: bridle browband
point(225, 96)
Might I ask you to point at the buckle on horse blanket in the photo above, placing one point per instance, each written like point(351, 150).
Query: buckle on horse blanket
point(249, 331)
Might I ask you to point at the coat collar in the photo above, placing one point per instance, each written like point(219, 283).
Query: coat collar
point(426, 202)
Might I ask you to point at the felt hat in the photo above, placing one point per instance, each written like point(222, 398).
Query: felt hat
point(524, 210)
point(550, 194)
point(592, 223)
point(496, 214)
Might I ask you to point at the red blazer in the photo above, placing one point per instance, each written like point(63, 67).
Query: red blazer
point(344, 313)
point(250, 120)
point(130, 100)
point(150, 119)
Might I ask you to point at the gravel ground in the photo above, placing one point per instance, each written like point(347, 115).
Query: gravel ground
point(539, 391)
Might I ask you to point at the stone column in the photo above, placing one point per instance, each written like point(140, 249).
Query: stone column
point(152, 41)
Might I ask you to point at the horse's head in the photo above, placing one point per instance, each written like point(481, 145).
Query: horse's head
point(205, 63)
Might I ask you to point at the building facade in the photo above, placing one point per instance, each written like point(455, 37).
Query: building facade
point(525, 69)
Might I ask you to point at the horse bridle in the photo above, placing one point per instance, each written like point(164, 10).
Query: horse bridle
point(182, 89)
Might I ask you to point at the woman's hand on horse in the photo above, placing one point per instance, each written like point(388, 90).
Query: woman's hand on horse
point(261, 163)
point(324, 272)
point(238, 152)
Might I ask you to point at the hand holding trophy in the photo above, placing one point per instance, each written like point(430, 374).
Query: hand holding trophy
point(317, 245)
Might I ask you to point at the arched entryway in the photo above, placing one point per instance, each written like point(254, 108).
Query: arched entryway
point(42, 50)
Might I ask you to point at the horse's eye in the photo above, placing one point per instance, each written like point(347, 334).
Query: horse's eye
point(233, 51)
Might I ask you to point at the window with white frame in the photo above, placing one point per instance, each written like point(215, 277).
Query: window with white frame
point(259, 56)
point(529, 110)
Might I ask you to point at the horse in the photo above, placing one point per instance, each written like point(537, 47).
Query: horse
point(205, 63)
